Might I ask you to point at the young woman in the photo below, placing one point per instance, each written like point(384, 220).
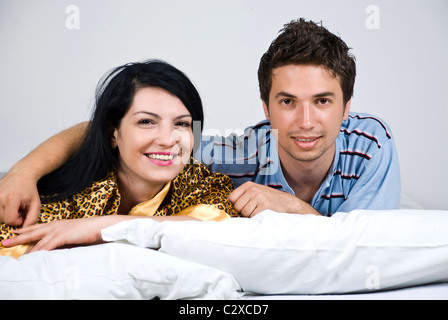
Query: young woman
point(135, 160)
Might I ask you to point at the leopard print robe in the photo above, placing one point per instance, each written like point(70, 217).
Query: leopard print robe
point(195, 185)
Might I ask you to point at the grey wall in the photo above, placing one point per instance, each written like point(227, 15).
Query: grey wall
point(53, 52)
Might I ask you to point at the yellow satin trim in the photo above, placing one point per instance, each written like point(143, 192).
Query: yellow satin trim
point(150, 207)
point(15, 251)
point(205, 212)
point(202, 212)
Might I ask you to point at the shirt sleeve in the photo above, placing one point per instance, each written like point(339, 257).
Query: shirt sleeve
point(379, 186)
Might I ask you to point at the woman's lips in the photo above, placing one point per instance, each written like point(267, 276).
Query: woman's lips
point(161, 158)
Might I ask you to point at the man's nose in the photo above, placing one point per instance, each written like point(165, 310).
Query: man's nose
point(305, 116)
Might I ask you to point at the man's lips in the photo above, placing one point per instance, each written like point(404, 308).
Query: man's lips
point(306, 139)
point(306, 143)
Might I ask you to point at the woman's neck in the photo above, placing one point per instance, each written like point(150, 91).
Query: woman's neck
point(135, 191)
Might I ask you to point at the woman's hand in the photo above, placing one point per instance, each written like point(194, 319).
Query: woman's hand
point(61, 233)
point(56, 234)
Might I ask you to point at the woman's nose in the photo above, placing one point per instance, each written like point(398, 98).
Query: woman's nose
point(166, 136)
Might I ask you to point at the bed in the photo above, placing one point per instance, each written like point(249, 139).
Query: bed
point(364, 254)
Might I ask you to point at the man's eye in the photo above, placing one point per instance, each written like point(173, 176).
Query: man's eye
point(323, 101)
point(286, 102)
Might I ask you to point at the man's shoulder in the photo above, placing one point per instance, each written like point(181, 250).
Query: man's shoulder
point(366, 128)
point(259, 133)
point(262, 126)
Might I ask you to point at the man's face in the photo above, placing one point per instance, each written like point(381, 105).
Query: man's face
point(306, 106)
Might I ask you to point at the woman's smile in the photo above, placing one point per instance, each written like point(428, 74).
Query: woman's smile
point(162, 158)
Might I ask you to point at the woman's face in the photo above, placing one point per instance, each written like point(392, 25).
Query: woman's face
point(155, 138)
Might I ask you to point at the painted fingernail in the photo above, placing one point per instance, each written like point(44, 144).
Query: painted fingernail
point(6, 242)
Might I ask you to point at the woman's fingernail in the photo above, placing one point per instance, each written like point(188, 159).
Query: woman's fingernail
point(6, 242)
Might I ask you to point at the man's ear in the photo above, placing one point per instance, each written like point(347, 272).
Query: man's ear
point(347, 109)
point(266, 110)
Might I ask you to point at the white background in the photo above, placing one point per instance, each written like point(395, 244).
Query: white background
point(49, 68)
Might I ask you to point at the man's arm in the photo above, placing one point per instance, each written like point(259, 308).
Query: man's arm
point(379, 186)
point(19, 198)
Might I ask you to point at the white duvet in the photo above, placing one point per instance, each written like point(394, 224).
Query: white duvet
point(271, 254)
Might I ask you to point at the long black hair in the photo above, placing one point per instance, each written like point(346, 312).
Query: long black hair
point(96, 158)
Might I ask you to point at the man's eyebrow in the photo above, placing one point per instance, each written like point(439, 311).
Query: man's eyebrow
point(284, 94)
point(325, 94)
point(317, 95)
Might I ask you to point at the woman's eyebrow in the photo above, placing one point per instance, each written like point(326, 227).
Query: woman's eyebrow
point(184, 116)
point(155, 115)
point(148, 113)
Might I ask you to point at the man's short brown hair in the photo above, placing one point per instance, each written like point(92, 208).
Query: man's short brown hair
point(306, 43)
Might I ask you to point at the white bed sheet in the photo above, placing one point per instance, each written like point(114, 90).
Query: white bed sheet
point(272, 256)
point(438, 291)
point(112, 271)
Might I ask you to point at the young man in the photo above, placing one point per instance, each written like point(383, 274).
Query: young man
point(325, 158)
point(311, 155)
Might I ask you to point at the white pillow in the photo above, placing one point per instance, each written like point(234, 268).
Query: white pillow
point(110, 271)
point(276, 253)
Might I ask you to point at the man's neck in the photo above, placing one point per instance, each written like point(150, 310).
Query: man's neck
point(306, 177)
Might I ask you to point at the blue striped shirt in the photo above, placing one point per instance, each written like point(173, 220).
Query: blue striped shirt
point(365, 172)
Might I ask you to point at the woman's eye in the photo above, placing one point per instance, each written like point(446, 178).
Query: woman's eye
point(184, 124)
point(145, 121)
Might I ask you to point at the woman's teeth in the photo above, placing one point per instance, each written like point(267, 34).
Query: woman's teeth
point(161, 157)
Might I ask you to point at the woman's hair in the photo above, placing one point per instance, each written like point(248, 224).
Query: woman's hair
point(306, 43)
point(96, 158)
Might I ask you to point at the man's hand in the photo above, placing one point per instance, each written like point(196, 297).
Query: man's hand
point(251, 198)
point(19, 200)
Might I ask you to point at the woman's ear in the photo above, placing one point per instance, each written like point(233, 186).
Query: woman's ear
point(113, 136)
